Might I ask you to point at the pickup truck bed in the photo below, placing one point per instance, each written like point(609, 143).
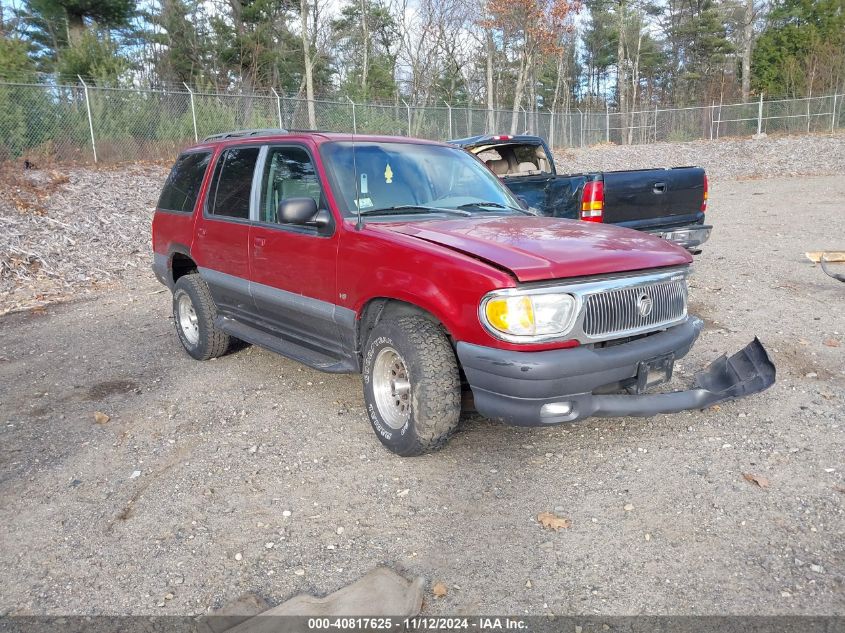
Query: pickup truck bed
point(670, 203)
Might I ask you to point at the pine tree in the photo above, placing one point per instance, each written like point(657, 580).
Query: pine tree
point(105, 13)
point(802, 49)
point(366, 49)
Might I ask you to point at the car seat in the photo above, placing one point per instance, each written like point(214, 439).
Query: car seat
point(498, 167)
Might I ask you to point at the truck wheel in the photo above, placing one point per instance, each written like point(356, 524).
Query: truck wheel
point(194, 313)
point(412, 388)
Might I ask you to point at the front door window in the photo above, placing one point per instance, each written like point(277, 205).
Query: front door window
point(288, 173)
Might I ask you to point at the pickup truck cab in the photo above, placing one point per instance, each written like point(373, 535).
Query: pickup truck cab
point(409, 262)
point(669, 203)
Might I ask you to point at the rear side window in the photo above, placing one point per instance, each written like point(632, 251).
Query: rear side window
point(230, 189)
point(182, 188)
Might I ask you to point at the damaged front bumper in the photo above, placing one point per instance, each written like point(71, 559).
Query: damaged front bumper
point(556, 386)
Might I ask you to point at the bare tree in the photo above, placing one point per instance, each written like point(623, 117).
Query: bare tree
point(531, 27)
point(750, 16)
point(305, 11)
point(365, 40)
point(621, 66)
point(639, 25)
point(418, 48)
point(561, 81)
point(489, 95)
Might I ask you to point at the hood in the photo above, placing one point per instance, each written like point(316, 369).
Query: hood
point(538, 248)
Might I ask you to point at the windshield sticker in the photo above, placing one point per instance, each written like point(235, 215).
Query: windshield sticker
point(364, 203)
point(364, 184)
point(388, 174)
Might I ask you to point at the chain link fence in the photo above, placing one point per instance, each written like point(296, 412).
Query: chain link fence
point(85, 123)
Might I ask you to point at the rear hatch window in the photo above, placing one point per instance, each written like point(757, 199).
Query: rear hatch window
point(514, 159)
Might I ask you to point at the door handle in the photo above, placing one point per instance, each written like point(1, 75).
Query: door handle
point(259, 241)
point(659, 187)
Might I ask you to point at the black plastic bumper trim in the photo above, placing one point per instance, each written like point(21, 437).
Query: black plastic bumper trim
point(160, 269)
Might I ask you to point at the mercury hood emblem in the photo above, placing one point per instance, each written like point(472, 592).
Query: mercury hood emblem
point(645, 305)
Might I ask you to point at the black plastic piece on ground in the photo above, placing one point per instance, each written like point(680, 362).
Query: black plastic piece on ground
point(748, 371)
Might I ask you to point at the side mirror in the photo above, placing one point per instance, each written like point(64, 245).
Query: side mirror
point(323, 218)
point(522, 202)
point(298, 211)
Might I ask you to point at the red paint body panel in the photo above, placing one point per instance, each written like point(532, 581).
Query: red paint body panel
point(538, 248)
point(222, 246)
point(377, 262)
point(172, 230)
point(302, 264)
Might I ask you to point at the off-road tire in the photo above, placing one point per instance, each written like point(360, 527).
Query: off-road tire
point(435, 384)
point(212, 341)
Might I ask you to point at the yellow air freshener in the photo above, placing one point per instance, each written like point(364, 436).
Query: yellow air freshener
point(388, 174)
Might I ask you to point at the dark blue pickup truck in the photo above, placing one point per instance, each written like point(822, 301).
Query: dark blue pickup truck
point(666, 202)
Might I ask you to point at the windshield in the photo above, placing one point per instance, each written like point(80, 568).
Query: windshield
point(392, 176)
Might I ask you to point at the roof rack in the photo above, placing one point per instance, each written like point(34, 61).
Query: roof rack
point(245, 133)
point(310, 130)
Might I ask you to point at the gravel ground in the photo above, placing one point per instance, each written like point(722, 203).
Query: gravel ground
point(726, 159)
point(67, 233)
point(253, 473)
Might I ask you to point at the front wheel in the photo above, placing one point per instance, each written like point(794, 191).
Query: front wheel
point(412, 387)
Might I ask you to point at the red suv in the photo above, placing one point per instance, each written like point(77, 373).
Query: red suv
point(409, 261)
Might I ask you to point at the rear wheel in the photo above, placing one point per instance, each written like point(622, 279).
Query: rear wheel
point(412, 387)
point(194, 313)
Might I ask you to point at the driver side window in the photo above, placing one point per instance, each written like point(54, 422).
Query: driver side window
point(288, 173)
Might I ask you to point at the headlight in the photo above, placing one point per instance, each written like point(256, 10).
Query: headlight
point(527, 317)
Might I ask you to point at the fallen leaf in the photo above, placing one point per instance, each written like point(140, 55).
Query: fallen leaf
point(831, 342)
point(715, 407)
point(100, 417)
point(756, 479)
point(39, 311)
point(551, 521)
point(439, 590)
point(839, 489)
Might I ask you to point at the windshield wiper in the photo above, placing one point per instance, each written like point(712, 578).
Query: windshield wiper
point(405, 209)
point(493, 205)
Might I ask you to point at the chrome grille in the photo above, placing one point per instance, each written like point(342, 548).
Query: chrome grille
point(616, 311)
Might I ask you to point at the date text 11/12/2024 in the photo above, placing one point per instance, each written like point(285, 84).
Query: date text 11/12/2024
point(418, 623)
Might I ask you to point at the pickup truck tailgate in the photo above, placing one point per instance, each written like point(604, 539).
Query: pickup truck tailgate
point(639, 197)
